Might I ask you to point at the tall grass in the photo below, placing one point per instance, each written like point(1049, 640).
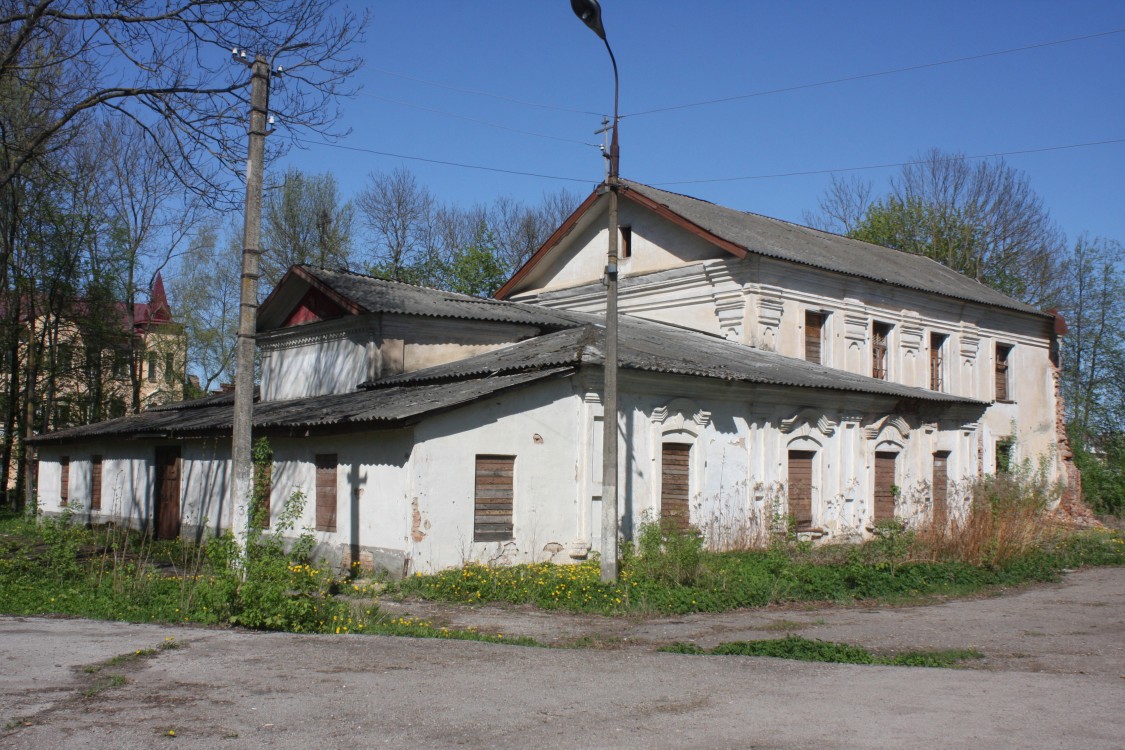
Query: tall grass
point(1002, 539)
point(1006, 520)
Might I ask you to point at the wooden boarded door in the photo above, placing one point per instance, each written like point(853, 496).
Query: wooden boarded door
point(800, 488)
point(674, 484)
point(95, 483)
point(167, 500)
point(64, 480)
point(885, 486)
point(941, 490)
point(326, 498)
point(494, 492)
point(814, 332)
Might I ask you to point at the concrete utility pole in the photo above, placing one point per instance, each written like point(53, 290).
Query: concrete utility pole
point(610, 511)
point(239, 513)
point(590, 13)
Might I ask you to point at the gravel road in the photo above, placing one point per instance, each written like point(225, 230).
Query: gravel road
point(1053, 679)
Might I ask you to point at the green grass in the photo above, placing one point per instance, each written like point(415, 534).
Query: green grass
point(779, 575)
point(107, 682)
point(805, 649)
point(52, 567)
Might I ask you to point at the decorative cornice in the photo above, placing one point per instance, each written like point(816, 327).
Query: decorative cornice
point(970, 343)
point(911, 333)
point(730, 308)
point(770, 306)
point(812, 417)
point(292, 338)
point(875, 429)
point(855, 323)
point(674, 416)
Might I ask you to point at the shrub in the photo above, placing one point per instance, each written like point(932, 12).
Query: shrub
point(665, 553)
point(274, 588)
point(1103, 474)
point(1005, 521)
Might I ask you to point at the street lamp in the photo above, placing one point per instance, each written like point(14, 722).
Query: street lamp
point(590, 13)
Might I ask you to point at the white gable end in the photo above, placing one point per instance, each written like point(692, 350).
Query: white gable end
point(656, 244)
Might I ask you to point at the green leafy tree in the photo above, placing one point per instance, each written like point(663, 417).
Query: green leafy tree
point(1093, 369)
point(476, 268)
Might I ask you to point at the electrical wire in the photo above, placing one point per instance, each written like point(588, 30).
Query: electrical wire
point(775, 175)
point(479, 122)
point(889, 165)
point(863, 76)
point(461, 165)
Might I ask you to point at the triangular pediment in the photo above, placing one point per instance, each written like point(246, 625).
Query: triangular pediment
point(314, 307)
point(654, 238)
point(302, 298)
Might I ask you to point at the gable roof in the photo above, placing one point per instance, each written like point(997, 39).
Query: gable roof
point(644, 346)
point(364, 409)
point(741, 233)
point(359, 294)
point(650, 346)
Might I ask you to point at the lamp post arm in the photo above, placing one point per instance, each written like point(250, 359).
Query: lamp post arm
point(614, 153)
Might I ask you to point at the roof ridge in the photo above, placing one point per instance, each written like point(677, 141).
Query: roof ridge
point(832, 256)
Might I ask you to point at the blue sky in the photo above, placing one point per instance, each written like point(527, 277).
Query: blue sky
point(535, 52)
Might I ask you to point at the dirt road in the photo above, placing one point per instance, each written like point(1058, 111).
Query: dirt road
point(1053, 679)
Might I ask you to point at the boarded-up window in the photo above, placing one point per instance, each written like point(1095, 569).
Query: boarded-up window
point(885, 486)
point(64, 480)
point(880, 334)
point(800, 488)
point(326, 492)
point(814, 335)
point(153, 363)
point(95, 482)
point(492, 512)
point(674, 484)
point(941, 490)
point(626, 242)
point(1003, 354)
point(937, 362)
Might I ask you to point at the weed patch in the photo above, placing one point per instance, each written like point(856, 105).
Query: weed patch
point(805, 649)
point(892, 569)
point(107, 682)
point(56, 567)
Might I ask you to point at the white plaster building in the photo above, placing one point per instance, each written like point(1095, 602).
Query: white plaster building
point(768, 370)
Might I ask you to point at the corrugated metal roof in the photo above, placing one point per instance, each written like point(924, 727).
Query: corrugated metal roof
point(380, 295)
point(657, 347)
point(792, 242)
point(375, 408)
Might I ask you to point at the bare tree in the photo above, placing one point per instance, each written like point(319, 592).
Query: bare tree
point(304, 222)
point(166, 66)
point(148, 216)
point(843, 206)
point(207, 289)
point(982, 219)
point(399, 214)
point(520, 228)
point(1094, 347)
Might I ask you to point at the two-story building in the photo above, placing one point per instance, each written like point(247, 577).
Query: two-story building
point(768, 372)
